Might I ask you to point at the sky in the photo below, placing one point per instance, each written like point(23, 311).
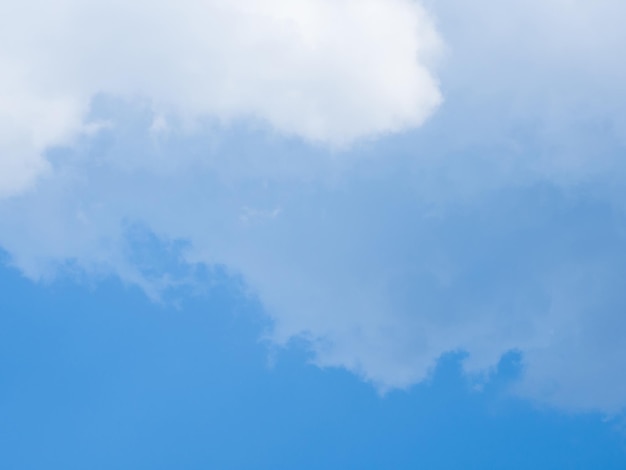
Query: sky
point(312, 234)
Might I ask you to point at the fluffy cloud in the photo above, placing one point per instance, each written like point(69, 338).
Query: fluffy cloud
point(323, 70)
point(497, 226)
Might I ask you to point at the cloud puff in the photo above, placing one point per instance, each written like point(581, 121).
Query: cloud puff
point(327, 71)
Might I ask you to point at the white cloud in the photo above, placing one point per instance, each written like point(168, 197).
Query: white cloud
point(31, 120)
point(329, 71)
point(488, 230)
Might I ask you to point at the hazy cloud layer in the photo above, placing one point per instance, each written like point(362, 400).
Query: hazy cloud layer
point(497, 226)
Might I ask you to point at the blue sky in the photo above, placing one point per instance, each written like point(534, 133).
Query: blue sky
point(100, 377)
point(325, 234)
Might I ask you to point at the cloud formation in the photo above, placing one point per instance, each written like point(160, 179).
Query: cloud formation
point(326, 71)
point(497, 226)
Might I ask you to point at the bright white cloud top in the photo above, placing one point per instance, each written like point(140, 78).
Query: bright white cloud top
point(324, 70)
point(497, 226)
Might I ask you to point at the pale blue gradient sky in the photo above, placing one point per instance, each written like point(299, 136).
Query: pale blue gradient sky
point(404, 221)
